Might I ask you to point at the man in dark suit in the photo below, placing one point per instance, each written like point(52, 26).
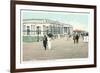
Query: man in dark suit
point(77, 38)
point(45, 42)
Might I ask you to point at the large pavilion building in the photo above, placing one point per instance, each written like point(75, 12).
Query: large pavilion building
point(41, 27)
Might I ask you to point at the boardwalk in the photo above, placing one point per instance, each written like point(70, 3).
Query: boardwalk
point(61, 49)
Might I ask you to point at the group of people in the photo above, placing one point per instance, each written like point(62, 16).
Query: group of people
point(47, 42)
point(76, 38)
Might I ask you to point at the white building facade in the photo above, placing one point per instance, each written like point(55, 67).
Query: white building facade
point(41, 27)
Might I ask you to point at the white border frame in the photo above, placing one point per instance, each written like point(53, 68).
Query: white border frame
point(53, 63)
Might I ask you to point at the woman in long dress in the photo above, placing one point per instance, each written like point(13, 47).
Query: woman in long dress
point(49, 43)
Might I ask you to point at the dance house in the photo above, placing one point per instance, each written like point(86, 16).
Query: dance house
point(41, 27)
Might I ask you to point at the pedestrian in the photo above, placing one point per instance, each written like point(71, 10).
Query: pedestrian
point(77, 38)
point(74, 38)
point(49, 42)
point(45, 42)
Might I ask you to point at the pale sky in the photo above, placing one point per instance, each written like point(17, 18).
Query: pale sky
point(77, 20)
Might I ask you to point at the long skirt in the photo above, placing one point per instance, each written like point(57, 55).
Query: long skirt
point(49, 44)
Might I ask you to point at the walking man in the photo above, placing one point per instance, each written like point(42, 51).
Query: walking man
point(45, 42)
point(77, 38)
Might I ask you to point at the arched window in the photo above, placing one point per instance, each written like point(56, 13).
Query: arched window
point(24, 27)
point(38, 30)
point(33, 29)
point(44, 29)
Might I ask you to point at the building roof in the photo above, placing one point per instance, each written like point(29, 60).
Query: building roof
point(44, 21)
point(77, 30)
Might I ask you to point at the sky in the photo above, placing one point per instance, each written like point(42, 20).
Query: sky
point(77, 20)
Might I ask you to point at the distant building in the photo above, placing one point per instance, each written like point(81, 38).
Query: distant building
point(34, 27)
point(80, 32)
